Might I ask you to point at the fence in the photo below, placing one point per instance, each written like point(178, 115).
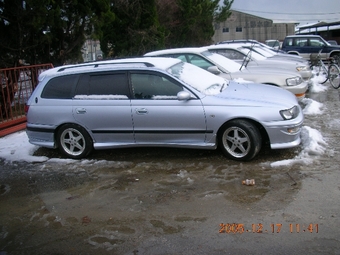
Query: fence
point(17, 84)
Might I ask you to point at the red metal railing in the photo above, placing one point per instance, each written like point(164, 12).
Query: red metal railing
point(17, 84)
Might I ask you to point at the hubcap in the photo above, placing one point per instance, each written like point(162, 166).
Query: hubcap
point(236, 141)
point(72, 141)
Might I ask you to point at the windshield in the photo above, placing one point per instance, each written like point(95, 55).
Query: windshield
point(261, 51)
point(201, 80)
point(265, 52)
point(254, 55)
point(226, 63)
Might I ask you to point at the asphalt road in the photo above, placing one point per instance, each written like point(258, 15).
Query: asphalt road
point(171, 201)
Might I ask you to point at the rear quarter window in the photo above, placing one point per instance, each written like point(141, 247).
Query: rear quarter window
point(60, 87)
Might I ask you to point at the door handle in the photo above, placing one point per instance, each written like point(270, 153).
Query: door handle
point(80, 110)
point(141, 111)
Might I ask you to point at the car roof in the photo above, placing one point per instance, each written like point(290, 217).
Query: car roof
point(225, 46)
point(176, 50)
point(239, 41)
point(303, 36)
point(106, 65)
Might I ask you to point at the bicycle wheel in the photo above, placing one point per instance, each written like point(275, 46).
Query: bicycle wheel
point(333, 75)
point(321, 72)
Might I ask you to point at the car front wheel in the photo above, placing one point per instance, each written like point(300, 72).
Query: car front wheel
point(73, 141)
point(240, 140)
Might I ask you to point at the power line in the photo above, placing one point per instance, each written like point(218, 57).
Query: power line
point(287, 19)
point(287, 13)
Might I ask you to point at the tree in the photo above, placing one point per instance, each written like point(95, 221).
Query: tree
point(134, 30)
point(190, 22)
point(52, 31)
point(148, 25)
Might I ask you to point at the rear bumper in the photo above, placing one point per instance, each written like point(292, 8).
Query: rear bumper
point(41, 135)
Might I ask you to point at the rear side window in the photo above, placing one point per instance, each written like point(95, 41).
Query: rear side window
point(103, 84)
point(60, 87)
point(301, 42)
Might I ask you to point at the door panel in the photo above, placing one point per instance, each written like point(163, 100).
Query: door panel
point(159, 117)
point(103, 106)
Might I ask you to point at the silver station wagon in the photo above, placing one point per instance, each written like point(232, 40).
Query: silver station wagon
point(161, 102)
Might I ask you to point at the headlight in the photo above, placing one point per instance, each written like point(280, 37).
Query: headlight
point(303, 68)
point(291, 113)
point(294, 81)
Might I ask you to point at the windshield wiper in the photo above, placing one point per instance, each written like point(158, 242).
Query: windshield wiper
point(223, 86)
point(247, 57)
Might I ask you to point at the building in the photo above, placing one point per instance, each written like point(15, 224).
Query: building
point(246, 26)
point(329, 31)
point(91, 50)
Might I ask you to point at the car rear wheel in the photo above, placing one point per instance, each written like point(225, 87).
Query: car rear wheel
point(74, 141)
point(240, 140)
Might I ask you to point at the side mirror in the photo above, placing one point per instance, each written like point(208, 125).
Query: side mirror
point(214, 70)
point(183, 95)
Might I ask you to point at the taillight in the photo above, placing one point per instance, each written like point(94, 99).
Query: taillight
point(27, 107)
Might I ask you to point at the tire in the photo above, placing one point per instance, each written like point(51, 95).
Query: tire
point(322, 73)
point(74, 141)
point(240, 140)
point(333, 76)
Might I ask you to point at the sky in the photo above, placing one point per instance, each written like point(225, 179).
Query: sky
point(296, 11)
point(15, 147)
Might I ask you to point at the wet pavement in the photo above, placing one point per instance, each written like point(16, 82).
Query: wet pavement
point(174, 201)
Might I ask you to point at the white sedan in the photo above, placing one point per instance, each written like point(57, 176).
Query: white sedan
point(220, 65)
point(253, 59)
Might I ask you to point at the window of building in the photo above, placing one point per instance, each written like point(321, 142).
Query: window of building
point(225, 30)
point(238, 29)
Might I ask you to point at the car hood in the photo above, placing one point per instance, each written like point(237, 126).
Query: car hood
point(260, 71)
point(257, 95)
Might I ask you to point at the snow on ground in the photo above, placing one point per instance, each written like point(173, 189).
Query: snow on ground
point(15, 147)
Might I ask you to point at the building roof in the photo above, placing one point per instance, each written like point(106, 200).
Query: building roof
point(320, 26)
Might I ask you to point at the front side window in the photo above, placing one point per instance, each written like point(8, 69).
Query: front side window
point(289, 42)
point(153, 86)
point(316, 42)
point(199, 61)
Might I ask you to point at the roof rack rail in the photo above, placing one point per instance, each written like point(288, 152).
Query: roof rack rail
point(94, 64)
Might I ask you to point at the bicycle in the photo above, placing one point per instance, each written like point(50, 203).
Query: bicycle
point(330, 72)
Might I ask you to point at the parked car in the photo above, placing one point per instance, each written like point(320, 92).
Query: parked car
point(332, 42)
point(230, 69)
point(141, 102)
point(253, 42)
point(270, 55)
point(305, 45)
point(273, 43)
point(252, 59)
